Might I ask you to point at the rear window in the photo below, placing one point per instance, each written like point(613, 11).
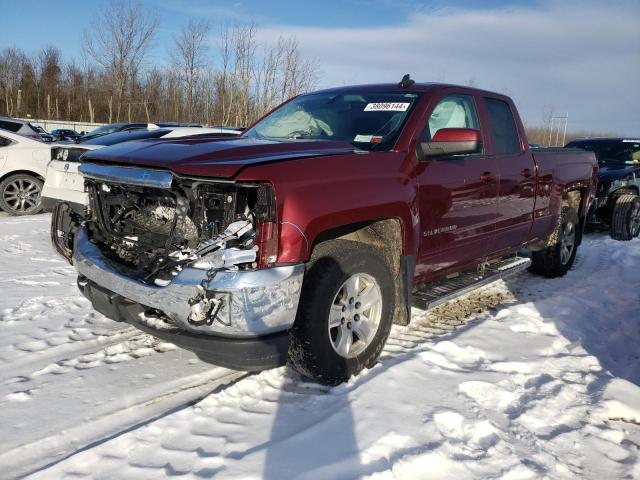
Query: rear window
point(503, 127)
point(11, 126)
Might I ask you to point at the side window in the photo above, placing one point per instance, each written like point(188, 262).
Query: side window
point(503, 127)
point(11, 126)
point(453, 111)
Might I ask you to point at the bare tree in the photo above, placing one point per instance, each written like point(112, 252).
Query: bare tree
point(118, 42)
point(190, 57)
point(11, 62)
point(254, 78)
point(249, 77)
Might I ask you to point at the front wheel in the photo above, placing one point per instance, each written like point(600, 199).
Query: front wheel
point(20, 194)
point(345, 312)
point(625, 221)
point(557, 258)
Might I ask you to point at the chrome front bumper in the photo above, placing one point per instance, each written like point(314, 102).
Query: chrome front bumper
point(254, 303)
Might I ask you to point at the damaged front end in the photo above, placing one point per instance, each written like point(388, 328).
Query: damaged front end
point(200, 253)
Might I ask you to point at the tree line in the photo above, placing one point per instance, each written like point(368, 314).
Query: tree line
point(230, 80)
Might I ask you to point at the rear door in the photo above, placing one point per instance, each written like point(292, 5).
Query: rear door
point(457, 194)
point(516, 187)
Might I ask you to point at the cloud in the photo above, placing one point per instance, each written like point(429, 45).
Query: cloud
point(577, 57)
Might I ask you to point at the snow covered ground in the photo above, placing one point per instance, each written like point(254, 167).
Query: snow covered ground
point(529, 378)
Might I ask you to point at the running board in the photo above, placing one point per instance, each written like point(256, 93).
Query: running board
point(447, 289)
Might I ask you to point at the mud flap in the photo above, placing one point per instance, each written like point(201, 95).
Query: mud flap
point(404, 291)
point(104, 302)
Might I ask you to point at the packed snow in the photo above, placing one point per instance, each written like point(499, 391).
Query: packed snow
point(525, 379)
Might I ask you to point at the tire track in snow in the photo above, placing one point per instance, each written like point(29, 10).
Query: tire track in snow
point(30, 458)
point(46, 330)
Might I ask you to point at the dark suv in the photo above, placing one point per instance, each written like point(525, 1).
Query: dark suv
point(110, 128)
point(617, 205)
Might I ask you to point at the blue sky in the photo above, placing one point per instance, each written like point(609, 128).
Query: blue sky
point(575, 56)
point(27, 23)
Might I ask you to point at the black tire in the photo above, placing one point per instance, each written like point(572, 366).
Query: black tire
point(310, 348)
point(553, 261)
point(625, 220)
point(13, 186)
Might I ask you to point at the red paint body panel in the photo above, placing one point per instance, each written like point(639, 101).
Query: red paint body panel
point(454, 212)
point(212, 157)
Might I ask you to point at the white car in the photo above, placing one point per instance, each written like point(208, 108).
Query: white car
point(64, 183)
point(23, 166)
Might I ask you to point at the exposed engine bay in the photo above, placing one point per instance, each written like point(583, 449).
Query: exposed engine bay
point(153, 232)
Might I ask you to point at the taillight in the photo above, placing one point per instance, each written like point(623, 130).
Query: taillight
point(267, 244)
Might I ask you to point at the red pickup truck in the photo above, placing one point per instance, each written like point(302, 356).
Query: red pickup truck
point(308, 236)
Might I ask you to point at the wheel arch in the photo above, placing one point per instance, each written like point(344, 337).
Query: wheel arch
point(387, 236)
point(22, 172)
point(633, 189)
point(578, 199)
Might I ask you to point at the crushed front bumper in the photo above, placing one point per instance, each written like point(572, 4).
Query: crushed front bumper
point(248, 354)
point(253, 304)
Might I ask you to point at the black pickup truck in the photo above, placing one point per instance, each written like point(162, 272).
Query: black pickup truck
point(617, 205)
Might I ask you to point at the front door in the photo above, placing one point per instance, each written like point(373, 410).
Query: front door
point(457, 195)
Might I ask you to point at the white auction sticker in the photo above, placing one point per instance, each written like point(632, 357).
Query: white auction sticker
point(387, 107)
point(363, 138)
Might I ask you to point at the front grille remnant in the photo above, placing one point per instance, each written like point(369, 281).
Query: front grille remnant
point(146, 229)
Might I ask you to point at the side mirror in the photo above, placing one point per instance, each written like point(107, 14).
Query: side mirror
point(451, 141)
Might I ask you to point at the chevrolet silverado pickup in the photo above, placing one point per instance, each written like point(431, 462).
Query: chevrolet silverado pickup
point(305, 238)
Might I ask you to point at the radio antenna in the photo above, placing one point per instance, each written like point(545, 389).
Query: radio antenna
point(406, 81)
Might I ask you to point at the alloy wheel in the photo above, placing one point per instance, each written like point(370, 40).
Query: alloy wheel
point(355, 315)
point(567, 242)
point(22, 195)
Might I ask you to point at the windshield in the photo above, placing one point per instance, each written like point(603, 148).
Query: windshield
point(367, 120)
point(618, 152)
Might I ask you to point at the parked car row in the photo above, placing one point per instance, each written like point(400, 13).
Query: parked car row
point(35, 174)
point(65, 183)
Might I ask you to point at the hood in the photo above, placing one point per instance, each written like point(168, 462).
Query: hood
point(610, 172)
point(213, 157)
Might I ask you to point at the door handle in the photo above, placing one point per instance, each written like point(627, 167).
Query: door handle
point(486, 177)
point(526, 173)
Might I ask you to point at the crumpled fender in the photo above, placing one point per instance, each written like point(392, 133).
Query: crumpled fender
point(293, 243)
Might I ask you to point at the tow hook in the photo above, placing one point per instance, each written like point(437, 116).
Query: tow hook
point(205, 310)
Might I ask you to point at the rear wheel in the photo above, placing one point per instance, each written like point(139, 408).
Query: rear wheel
point(345, 312)
point(557, 258)
point(20, 194)
point(625, 221)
